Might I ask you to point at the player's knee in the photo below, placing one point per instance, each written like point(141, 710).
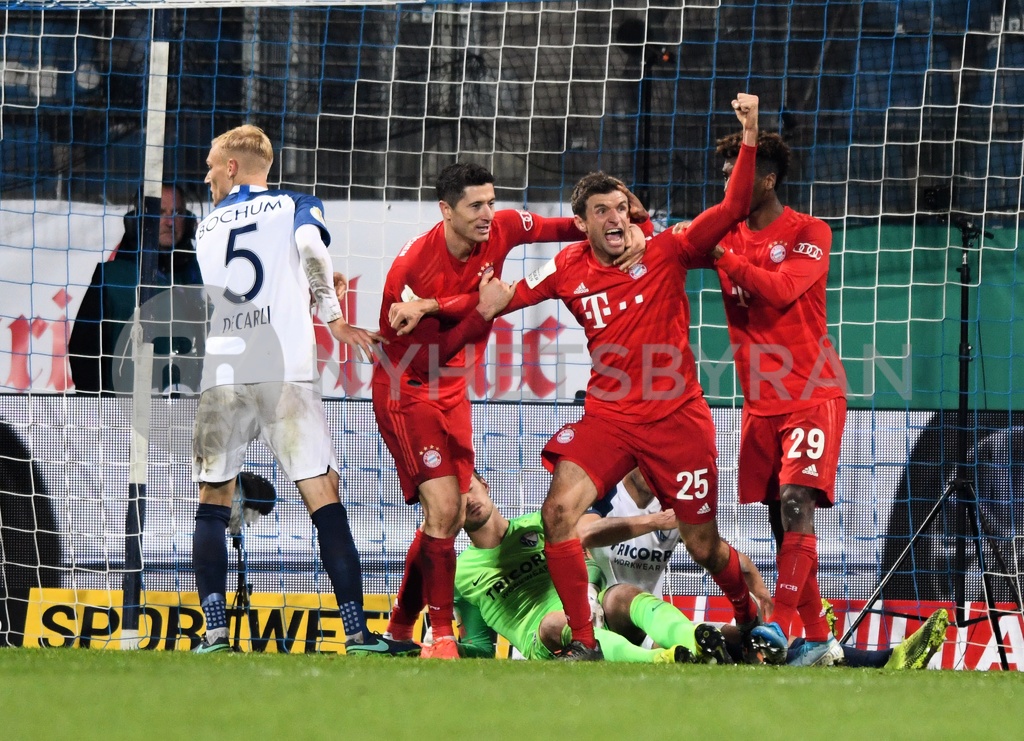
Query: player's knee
point(551, 629)
point(444, 510)
point(704, 548)
point(702, 554)
point(797, 504)
point(443, 524)
point(557, 517)
point(616, 604)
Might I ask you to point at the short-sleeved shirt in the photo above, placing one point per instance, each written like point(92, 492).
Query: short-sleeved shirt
point(261, 329)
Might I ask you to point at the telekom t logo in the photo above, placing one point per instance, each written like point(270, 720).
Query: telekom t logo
point(597, 308)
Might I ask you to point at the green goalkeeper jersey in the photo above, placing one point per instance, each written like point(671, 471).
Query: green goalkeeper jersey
point(507, 589)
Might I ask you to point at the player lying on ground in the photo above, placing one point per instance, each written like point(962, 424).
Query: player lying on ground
point(631, 541)
point(503, 586)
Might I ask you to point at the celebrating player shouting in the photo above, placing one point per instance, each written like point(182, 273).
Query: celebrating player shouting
point(644, 406)
point(420, 399)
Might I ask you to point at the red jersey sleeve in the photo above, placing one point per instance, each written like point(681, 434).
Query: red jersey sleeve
point(711, 225)
point(448, 341)
point(456, 307)
point(538, 286)
point(516, 227)
point(794, 277)
point(525, 227)
point(558, 229)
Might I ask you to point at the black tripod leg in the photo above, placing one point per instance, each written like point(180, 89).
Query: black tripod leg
point(241, 603)
point(971, 505)
point(1013, 579)
point(896, 565)
point(966, 497)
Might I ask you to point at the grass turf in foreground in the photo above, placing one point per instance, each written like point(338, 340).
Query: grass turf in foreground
point(79, 694)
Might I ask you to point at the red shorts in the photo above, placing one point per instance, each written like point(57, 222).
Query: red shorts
point(800, 448)
point(427, 441)
point(676, 455)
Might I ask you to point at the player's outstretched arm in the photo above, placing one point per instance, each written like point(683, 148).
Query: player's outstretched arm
point(362, 341)
point(323, 284)
point(493, 296)
point(316, 264)
point(707, 230)
point(596, 531)
point(405, 315)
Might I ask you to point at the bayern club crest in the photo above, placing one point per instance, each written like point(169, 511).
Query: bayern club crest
point(565, 435)
point(638, 271)
point(777, 253)
point(431, 458)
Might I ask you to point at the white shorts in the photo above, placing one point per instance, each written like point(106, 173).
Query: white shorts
point(289, 419)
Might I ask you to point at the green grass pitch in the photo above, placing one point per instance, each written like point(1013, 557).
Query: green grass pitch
point(77, 694)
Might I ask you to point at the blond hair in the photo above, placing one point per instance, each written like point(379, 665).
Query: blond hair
point(248, 143)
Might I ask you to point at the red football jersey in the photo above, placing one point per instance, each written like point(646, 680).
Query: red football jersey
point(638, 323)
point(637, 326)
point(773, 284)
point(426, 269)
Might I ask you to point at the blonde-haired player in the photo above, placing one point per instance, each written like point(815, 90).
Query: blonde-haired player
point(262, 253)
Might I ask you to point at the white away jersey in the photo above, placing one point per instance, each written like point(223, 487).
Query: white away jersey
point(261, 329)
point(642, 560)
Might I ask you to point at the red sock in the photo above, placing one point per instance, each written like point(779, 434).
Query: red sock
point(569, 573)
point(811, 612)
point(730, 580)
point(437, 564)
point(410, 600)
point(796, 560)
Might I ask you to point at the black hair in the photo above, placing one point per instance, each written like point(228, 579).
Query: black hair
point(773, 154)
point(455, 178)
point(593, 184)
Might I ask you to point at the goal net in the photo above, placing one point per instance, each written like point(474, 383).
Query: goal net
point(906, 122)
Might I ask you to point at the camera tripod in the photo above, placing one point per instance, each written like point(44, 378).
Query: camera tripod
point(961, 491)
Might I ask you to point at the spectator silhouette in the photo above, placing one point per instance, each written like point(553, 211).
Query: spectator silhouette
point(101, 328)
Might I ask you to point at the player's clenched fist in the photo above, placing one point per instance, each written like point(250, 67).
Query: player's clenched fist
point(745, 106)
